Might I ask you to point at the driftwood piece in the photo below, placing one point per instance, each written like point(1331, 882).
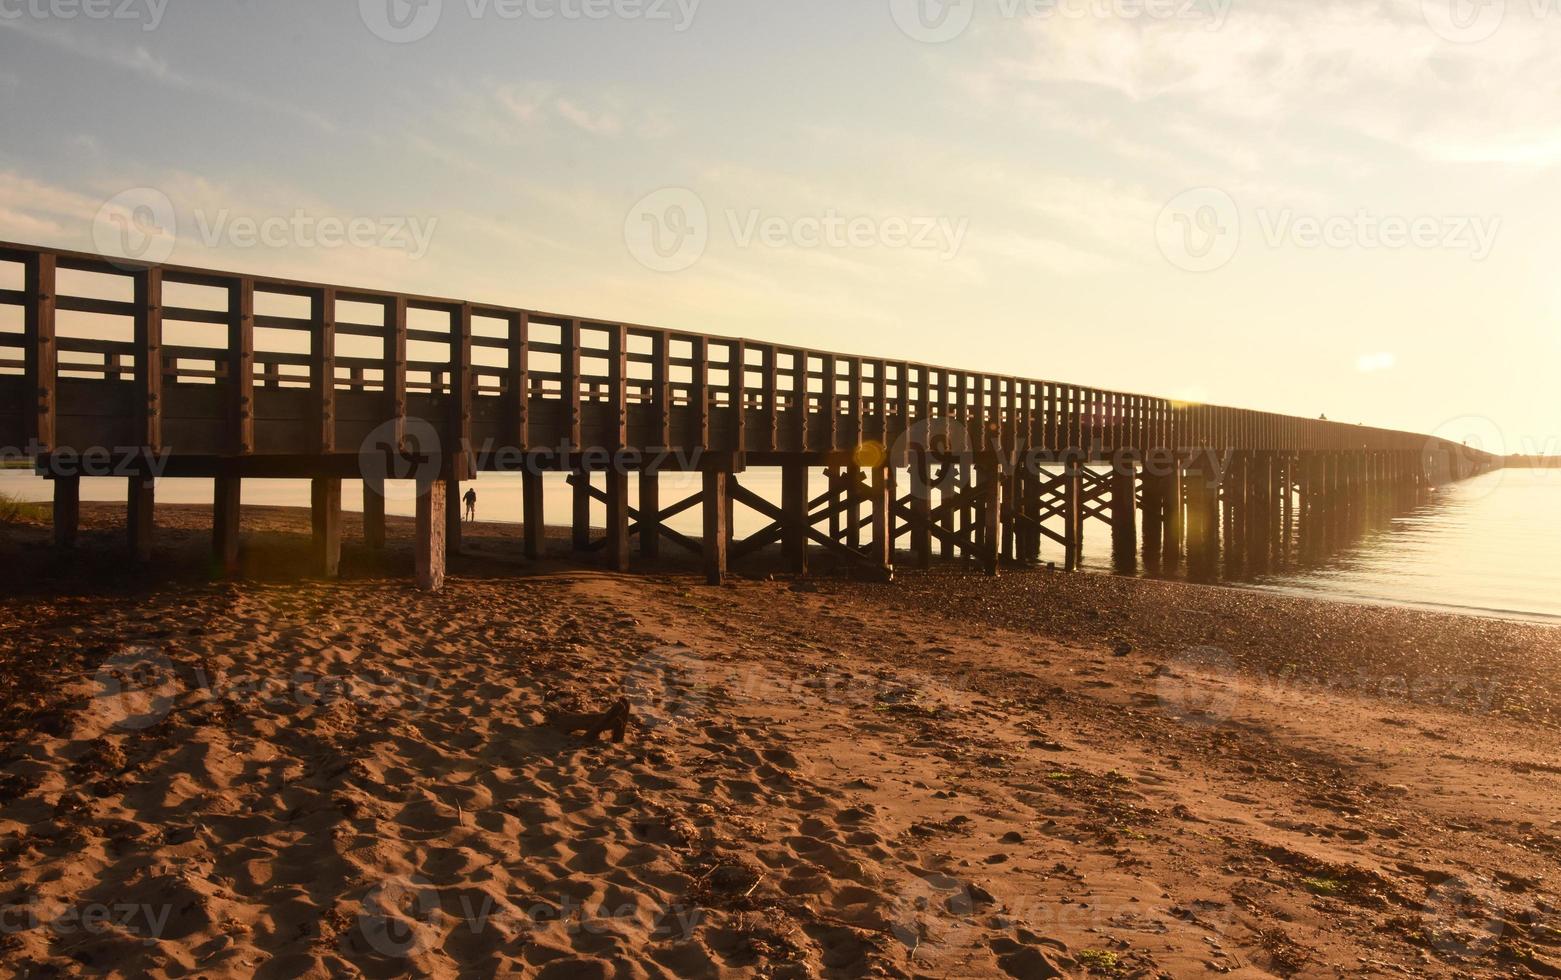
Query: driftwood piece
point(614, 719)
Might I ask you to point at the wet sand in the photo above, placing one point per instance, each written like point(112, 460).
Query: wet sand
point(1045, 775)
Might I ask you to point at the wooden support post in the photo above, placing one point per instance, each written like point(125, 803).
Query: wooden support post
point(241, 367)
point(1259, 507)
point(1154, 483)
point(794, 502)
point(921, 508)
point(325, 513)
point(67, 510)
point(531, 511)
point(580, 515)
point(1073, 515)
point(374, 513)
point(1203, 522)
point(853, 477)
point(429, 543)
point(991, 477)
point(1124, 503)
point(225, 523)
point(617, 518)
point(141, 520)
point(1175, 515)
point(715, 514)
point(650, 514)
point(452, 509)
point(883, 517)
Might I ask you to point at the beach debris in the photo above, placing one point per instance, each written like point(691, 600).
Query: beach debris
point(615, 719)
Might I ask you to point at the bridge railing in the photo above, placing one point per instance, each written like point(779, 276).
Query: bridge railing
point(251, 365)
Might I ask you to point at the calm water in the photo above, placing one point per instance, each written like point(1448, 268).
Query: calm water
point(1489, 546)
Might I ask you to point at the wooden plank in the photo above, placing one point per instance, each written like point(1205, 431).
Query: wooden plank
point(241, 366)
point(149, 358)
point(39, 354)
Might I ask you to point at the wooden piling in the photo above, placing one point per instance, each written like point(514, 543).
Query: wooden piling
point(1124, 504)
point(650, 514)
point(535, 520)
point(67, 510)
point(374, 514)
point(325, 517)
point(716, 497)
point(580, 512)
point(921, 508)
point(141, 521)
point(428, 535)
point(225, 523)
point(794, 504)
point(617, 557)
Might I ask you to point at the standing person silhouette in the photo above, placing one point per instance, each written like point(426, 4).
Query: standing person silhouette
point(471, 504)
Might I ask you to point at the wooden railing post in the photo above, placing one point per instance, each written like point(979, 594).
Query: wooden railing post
point(149, 358)
point(241, 366)
point(40, 356)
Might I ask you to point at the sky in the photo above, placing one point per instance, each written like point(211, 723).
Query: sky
point(1307, 207)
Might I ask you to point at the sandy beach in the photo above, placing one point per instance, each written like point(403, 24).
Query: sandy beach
point(1036, 776)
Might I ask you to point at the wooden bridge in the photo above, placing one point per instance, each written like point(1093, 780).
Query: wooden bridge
point(114, 367)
